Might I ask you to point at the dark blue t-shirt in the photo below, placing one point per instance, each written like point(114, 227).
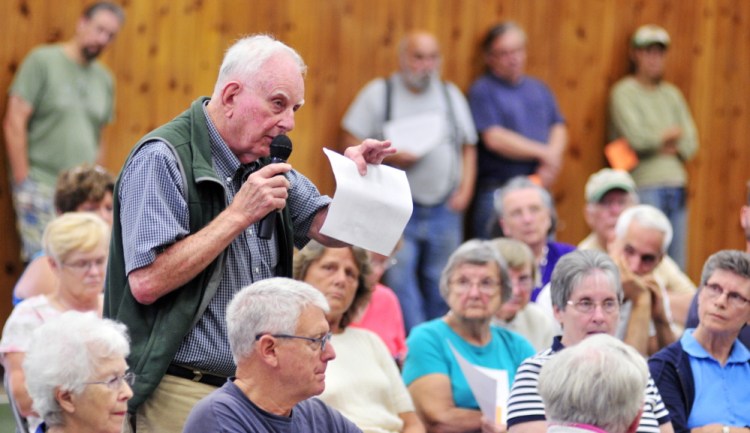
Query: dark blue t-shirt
point(228, 410)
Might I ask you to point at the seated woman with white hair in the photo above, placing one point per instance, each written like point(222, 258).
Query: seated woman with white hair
point(76, 245)
point(77, 376)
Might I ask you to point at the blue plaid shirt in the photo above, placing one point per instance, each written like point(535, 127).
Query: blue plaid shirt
point(154, 215)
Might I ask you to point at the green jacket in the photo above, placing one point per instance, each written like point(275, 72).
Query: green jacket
point(157, 330)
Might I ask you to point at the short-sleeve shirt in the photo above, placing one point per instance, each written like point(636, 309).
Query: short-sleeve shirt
point(722, 394)
point(71, 103)
point(154, 215)
point(364, 383)
point(24, 319)
point(366, 117)
point(430, 353)
point(526, 405)
point(228, 410)
point(527, 108)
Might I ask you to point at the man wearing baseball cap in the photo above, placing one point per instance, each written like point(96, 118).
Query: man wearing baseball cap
point(608, 193)
point(654, 118)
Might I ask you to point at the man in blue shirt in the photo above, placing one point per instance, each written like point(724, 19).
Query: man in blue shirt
point(521, 130)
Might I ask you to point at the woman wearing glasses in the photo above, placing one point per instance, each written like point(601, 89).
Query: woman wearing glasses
point(363, 381)
point(586, 297)
point(75, 245)
point(474, 284)
point(77, 376)
point(704, 376)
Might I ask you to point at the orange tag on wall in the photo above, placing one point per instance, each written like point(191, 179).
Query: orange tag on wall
point(620, 155)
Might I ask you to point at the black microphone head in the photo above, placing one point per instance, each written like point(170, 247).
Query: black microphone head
point(281, 148)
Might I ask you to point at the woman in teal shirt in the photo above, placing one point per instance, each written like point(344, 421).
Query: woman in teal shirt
point(473, 283)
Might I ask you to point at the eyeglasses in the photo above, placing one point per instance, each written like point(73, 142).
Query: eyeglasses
point(587, 306)
point(83, 266)
point(733, 298)
point(115, 383)
point(323, 341)
point(646, 259)
point(487, 286)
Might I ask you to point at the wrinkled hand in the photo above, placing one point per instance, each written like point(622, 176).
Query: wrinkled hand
point(547, 174)
point(491, 427)
point(551, 158)
point(459, 201)
point(370, 151)
point(262, 193)
point(633, 286)
point(669, 139)
point(658, 310)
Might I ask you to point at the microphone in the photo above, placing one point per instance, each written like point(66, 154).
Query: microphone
point(281, 148)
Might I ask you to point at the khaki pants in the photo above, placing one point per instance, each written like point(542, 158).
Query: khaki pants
point(168, 407)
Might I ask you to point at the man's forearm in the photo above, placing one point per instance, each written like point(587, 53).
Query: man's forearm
point(558, 139)
point(17, 115)
point(512, 144)
point(185, 259)
point(636, 333)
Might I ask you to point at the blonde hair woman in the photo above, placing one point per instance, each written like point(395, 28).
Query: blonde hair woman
point(76, 246)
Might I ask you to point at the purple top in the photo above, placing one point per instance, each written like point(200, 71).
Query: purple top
point(555, 250)
point(528, 108)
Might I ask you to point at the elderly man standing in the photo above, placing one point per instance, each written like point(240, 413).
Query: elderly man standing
point(526, 213)
point(441, 180)
point(608, 193)
point(188, 207)
point(521, 129)
point(642, 236)
point(280, 341)
point(60, 100)
point(595, 386)
point(652, 115)
point(586, 295)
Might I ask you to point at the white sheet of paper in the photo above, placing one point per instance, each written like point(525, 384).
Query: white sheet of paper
point(368, 211)
point(416, 134)
point(489, 386)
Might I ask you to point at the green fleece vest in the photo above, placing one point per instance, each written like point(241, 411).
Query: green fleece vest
point(157, 330)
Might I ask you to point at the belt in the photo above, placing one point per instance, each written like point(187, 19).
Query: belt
point(196, 375)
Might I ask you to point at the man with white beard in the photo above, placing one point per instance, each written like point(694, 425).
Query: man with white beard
point(441, 169)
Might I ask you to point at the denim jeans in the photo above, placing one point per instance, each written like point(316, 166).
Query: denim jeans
point(671, 201)
point(431, 235)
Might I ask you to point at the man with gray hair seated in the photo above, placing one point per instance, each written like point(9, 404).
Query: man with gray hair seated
point(279, 338)
point(608, 194)
point(642, 237)
point(595, 386)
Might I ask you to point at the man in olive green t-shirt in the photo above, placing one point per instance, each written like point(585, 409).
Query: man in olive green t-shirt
point(59, 100)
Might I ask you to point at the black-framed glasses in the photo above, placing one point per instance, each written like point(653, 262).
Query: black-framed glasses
point(587, 306)
point(323, 341)
point(116, 382)
point(733, 298)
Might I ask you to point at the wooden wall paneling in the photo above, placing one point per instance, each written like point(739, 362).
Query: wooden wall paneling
point(169, 52)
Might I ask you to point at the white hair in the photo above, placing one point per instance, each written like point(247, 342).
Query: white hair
point(268, 306)
point(246, 56)
point(64, 353)
point(600, 381)
point(648, 217)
